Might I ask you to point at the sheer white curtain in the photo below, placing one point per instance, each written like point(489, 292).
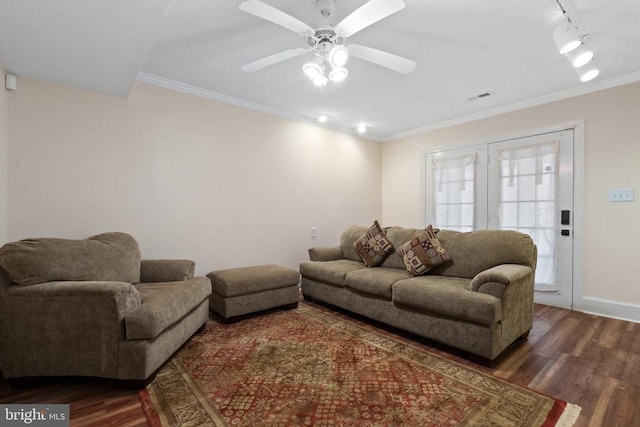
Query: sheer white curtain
point(528, 202)
point(453, 192)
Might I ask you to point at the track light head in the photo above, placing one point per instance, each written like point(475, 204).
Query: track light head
point(588, 72)
point(580, 56)
point(566, 37)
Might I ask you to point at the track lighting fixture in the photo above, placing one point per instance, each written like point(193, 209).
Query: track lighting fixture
point(571, 43)
point(566, 36)
point(588, 72)
point(580, 56)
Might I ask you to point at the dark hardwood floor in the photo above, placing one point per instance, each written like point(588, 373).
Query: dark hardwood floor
point(588, 360)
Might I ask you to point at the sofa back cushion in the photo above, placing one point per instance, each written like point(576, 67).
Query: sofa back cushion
point(480, 250)
point(348, 238)
point(105, 257)
point(399, 236)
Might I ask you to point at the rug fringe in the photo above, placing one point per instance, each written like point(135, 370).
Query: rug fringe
point(570, 415)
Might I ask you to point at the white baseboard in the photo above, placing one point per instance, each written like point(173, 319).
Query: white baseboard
point(608, 308)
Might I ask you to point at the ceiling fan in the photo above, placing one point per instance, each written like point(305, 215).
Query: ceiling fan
point(331, 55)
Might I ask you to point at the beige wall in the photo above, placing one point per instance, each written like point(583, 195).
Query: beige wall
point(4, 116)
point(188, 177)
point(193, 178)
point(611, 271)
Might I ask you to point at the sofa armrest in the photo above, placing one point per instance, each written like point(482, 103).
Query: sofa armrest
point(513, 284)
point(325, 253)
point(67, 297)
point(166, 270)
point(493, 280)
point(78, 325)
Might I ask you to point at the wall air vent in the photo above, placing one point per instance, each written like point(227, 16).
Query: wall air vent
point(482, 95)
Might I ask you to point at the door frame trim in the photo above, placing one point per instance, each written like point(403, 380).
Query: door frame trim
point(578, 301)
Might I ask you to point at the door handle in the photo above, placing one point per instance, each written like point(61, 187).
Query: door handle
point(565, 218)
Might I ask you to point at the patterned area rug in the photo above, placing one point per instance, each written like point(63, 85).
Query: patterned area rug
point(311, 367)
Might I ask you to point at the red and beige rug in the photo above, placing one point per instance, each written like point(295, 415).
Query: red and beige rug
point(310, 367)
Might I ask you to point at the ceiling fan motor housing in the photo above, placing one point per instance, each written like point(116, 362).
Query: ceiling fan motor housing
point(324, 38)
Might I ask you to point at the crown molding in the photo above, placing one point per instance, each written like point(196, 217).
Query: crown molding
point(558, 96)
point(226, 99)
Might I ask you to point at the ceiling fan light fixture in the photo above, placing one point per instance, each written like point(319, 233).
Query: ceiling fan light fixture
point(566, 37)
point(580, 56)
point(323, 118)
point(338, 74)
point(326, 41)
point(313, 70)
point(320, 81)
point(339, 56)
point(362, 128)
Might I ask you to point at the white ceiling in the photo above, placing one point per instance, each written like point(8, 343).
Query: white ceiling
point(462, 48)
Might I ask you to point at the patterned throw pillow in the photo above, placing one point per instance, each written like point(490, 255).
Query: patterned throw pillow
point(423, 253)
point(373, 246)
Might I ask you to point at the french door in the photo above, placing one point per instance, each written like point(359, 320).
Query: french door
point(523, 184)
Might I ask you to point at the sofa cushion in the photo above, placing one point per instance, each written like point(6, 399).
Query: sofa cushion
point(106, 257)
point(347, 240)
point(375, 281)
point(423, 252)
point(333, 272)
point(373, 246)
point(163, 304)
point(166, 270)
point(449, 296)
point(476, 251)
point(399, 236)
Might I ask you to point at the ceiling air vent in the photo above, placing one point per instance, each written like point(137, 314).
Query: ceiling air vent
point(482, 95)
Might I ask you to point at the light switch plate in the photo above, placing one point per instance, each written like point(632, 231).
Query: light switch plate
point(621, 195)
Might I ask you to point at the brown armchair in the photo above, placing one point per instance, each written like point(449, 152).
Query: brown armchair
point(92, 307)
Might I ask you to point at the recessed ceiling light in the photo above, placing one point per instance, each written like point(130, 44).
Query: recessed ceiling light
point(323, 118)
point(362, 128)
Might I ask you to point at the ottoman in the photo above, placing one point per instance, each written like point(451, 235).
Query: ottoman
point(240, 291)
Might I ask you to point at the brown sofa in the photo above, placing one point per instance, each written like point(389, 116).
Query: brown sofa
point(480, 302)
point(92, 307)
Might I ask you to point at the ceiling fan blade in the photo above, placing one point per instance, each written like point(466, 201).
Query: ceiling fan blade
point(384, 59)
point(270, 13)
point(272, 59)
point(367, 14)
